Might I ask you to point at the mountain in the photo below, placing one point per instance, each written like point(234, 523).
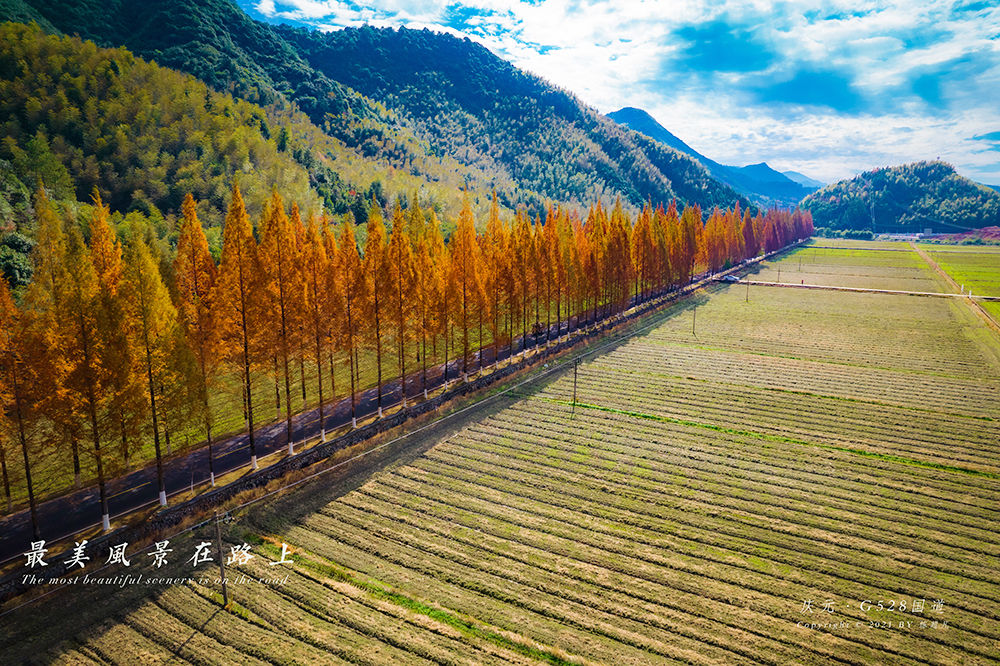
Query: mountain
point(642, 122)
point(802, 179)
point(468, 103)
point(762, 184)
point(426, 103)
point(910, 198)
point(76, 118)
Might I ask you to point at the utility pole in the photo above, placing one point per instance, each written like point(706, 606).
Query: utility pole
point(222, 562)
point(576, 366)
point(694, 319)
point(747, 280)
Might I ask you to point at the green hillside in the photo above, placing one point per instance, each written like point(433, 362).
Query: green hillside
point(905, 199)
point(427, 104)
point(77, 117)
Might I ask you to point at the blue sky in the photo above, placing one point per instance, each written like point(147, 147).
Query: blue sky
point(825, 88)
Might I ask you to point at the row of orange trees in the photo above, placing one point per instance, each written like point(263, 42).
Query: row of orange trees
point(102, 345)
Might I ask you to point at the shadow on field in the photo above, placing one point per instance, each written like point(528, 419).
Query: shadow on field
point(281, 513)
point(106, 621)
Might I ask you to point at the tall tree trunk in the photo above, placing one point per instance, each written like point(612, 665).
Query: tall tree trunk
point(94, 430)
point(166, 421)
point(277, 387)
point(6, 480)
point(350, 353)
point(156, 426)
point(19, 415)
point(208, 423)
point(378, 352)
point(288, 382)
point(302, 377)
point(319, 385)
point(75, 446)
point(125, 452)
point(249, 393)
point(423, 347)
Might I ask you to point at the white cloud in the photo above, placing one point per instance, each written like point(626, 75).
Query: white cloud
point(616, 53)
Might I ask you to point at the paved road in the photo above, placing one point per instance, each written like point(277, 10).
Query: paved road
point(80, 510)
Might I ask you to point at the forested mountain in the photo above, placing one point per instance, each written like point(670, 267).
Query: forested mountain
point(759, 182)
point(906, 199)
point(78, 117)
point(421, 100)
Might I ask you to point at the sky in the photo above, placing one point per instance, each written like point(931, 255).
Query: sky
point(828, 89)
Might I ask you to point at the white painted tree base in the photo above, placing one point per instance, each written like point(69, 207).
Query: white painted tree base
point(253, 462)
point(291, 449)
point(163, 498)
point(106, 522)
point(211, 478)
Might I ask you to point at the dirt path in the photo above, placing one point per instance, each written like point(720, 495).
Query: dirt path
point(978, 309)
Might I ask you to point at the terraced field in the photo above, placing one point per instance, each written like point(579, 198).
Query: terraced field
point(765, 488)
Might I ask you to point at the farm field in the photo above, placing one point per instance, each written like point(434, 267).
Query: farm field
point(877, 265)
point(741, 485)
point(977, 268)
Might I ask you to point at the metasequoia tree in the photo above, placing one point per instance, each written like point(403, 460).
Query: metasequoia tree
point(401, 287)
point(465, 275)
point(317, 301)
point(100, 350)
point(378, 286)
point(354, 291)
point(236, 303)
point(155, 320)
point(15, 364)
point(89, 372)
point(194, 281)
point(282, 292)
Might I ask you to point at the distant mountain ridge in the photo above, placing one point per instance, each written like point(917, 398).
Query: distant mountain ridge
point(411, 97)
point(762, 184)
point(909, 198)
point(802, 179)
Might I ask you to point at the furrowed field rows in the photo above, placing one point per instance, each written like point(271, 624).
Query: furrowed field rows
point(629, 569)
point(346, 621)
point(521, 483)
point(492, 601)
point(678, 445)
point(429, 523)
point(876, 385)
point(776, 519)
point(463, 507)
point(906, 333)
point(966, 443)
point(872, 269)
point(855, 473)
